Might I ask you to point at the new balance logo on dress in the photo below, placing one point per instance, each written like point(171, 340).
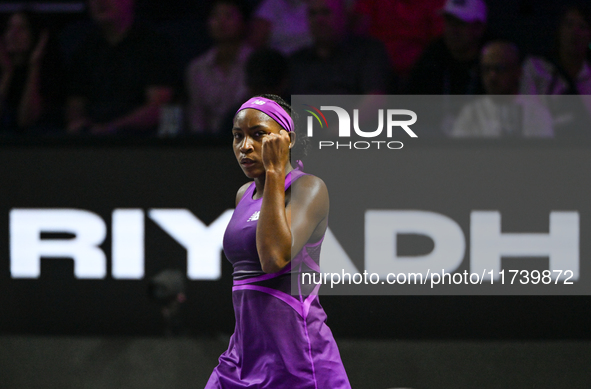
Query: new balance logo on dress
point(254, 216)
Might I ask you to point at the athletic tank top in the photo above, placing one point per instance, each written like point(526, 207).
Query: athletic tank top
point(240, 237)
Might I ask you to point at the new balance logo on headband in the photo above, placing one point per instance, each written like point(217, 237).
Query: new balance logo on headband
point(272, 109)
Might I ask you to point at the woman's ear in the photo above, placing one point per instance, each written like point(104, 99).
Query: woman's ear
point(292, 139)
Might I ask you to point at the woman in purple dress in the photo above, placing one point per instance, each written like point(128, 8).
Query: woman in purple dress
point(281, 339)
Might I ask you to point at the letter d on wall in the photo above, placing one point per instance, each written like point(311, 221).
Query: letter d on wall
point(27, 247)
point(382, 228)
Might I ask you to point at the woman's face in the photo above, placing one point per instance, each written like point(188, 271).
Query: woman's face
point(18, 37)
point(574, 33)
point(250, 128)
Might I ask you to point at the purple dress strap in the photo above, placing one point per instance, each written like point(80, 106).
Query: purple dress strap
point(286, 298)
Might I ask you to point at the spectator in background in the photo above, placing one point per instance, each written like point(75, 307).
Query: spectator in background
point(405, 27)
point(504, 113)
point(266, 73)
point(338, 62)
point(215, 80)
point(500, 68)
point(121, 74)
point(450, 64)
point(31, 90)
point(566, 70)
point(281, 25)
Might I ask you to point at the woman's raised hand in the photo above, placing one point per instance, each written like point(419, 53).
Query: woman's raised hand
point(275, 150)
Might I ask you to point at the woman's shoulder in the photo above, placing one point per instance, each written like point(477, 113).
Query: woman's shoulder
point(242, 191)
point(311, 191)
point(309, 181)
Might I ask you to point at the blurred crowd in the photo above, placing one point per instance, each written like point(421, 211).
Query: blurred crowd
point(125, 77)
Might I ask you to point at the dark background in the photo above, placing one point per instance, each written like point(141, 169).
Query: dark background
point(203, 178)
point(59, 332)
point(528, 23)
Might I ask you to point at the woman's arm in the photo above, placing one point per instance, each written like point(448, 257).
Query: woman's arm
point(31, 105)
point(273, 232)
point(281, 231)
point(307, 212)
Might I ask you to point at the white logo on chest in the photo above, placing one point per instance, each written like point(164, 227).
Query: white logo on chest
point(253, 217)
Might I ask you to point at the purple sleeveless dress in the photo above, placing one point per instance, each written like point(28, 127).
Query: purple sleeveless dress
point(281, 341)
